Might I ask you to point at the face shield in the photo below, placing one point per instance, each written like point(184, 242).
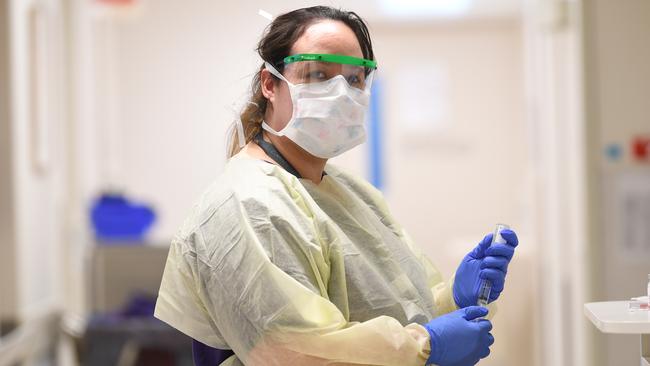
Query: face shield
point(316, 68)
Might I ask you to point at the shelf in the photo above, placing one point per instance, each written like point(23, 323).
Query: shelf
point(614, 317)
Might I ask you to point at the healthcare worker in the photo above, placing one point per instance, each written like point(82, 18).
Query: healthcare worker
point(287, 260)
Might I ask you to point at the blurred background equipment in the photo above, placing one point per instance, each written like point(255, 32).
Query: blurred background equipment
point(114, 218)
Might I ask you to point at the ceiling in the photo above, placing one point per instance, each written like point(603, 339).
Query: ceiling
point(412, 10)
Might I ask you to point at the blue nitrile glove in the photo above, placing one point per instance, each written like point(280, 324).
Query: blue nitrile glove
point(456, 340)
point(484, 262)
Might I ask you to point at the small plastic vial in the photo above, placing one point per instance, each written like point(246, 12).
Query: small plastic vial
point(486, 286)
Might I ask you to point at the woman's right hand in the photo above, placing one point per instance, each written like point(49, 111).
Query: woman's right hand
point(458, 340)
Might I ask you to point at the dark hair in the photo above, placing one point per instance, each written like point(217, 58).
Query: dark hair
point(276, 44)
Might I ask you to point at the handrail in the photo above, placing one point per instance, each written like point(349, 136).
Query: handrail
point(31, 339)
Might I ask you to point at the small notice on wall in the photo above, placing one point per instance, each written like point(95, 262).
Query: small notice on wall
point(424, 99)
point(633, 213)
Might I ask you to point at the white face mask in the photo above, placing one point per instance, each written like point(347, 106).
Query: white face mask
point(328, 117)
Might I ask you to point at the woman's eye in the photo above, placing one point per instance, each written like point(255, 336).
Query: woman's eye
point(354, 80)
point(316, 76)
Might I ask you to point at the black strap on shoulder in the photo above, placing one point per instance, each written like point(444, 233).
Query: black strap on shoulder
point(274, 154)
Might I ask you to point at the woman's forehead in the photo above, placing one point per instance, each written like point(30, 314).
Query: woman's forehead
point(328, 36)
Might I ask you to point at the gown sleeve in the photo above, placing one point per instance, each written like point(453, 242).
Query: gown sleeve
point(441, 290)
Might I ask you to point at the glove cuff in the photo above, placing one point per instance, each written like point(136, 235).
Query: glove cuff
point(434, 342)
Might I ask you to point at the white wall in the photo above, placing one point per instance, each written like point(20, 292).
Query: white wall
point(618, 86)
point(179, 70)
point(38, 158)
point(555, 111)
point(451, 184)
point(7, 244)
point(474, 165)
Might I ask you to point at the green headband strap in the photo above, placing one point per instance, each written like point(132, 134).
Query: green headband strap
point(341, 59)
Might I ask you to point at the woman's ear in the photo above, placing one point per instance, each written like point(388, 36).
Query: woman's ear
point(267, 83)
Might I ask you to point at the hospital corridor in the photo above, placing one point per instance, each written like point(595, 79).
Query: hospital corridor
point(293, 182)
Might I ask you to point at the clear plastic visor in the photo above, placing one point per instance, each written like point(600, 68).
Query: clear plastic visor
point(309, 72)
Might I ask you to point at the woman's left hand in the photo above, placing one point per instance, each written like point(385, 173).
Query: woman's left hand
point(488, 262)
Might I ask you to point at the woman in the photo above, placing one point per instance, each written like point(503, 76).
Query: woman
point(287, 260)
